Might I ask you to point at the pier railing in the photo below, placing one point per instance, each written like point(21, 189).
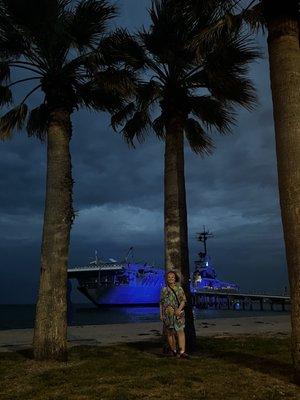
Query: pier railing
point(243, 301)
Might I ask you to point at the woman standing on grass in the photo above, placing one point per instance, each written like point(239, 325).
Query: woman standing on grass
point(172, 302)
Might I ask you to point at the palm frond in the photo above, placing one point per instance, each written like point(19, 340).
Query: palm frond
point(206, 12)
point(4, 71)
point(38, 122)
point(226, 16)
point(94, 97)
point(12, 42)
point(122, 81)
point(234, 90)
point(148, 93)
point(33, 17)
point(121, 47)
point(34, 28)
point(254, 18)
point(85, 64)
point(12, 119)
point(198, 140)
point(123, 115)
point(168, 38)
point(226, 66)
point(212, 112)
point(232, 54)
point(5, 95)
point(213, 32)
point(196, 80)
point(159, 127)
point(137, 127)
point(89, 21)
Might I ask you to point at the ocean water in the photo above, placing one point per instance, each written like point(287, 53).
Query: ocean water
point(22, 315)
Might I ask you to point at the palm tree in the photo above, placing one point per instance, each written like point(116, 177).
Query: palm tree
point(284, 58)
point(281, 19)
point(74, 63)
point(193, 87)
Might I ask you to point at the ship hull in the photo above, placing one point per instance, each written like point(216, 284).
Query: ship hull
point(138, 295)
point(122, 295)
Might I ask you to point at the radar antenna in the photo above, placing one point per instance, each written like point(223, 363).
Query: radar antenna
point(202, 237)
point(95, 260)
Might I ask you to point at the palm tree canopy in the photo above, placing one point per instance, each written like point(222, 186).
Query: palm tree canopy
point(231, 14)
point(195, 80)
point(65, 50)
point(225, 15)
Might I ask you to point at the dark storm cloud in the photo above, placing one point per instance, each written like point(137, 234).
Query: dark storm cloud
point(22, 168)
point(118, 195)
point(107, 170)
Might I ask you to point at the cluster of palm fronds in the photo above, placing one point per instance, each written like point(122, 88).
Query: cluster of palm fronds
point(192, 74)
point(68, 52)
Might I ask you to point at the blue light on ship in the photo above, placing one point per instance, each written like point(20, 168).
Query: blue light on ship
point(123, 283)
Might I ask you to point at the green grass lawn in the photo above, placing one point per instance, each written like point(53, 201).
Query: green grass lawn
point(242, 368)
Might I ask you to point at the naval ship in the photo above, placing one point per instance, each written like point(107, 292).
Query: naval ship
point(119, 283)
point(126, 283)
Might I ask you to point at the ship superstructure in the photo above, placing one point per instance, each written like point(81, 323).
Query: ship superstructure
point(119, 282)
point(205, 276)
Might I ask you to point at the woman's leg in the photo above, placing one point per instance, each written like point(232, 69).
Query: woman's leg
point(181, 340)
point(171, 340)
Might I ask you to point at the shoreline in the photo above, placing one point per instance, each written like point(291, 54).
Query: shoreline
point(105, 335)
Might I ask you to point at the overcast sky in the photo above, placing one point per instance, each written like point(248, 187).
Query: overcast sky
point(118, 195)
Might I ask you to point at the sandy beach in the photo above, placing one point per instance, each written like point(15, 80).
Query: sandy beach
point(279, 325)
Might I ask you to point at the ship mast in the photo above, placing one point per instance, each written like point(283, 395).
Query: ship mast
point(127, 254)
point(202, 237)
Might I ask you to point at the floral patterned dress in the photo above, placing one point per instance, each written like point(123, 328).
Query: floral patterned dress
point(169, 304)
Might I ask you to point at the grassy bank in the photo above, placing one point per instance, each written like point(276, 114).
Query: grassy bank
point(241, 368)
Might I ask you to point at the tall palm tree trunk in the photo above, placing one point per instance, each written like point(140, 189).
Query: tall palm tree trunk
point(175, 222)
point(284, 58)
point(176, 235)
point(50, 333)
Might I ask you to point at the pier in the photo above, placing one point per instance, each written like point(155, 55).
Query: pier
point(243, 301)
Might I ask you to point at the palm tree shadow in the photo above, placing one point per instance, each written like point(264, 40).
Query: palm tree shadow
point(26, 353)
point(17, 352)
point(275, 368)
point(153, 347)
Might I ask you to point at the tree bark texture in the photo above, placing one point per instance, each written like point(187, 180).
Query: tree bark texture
point(50, 333)
point(284, 58)
point(175, 223)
